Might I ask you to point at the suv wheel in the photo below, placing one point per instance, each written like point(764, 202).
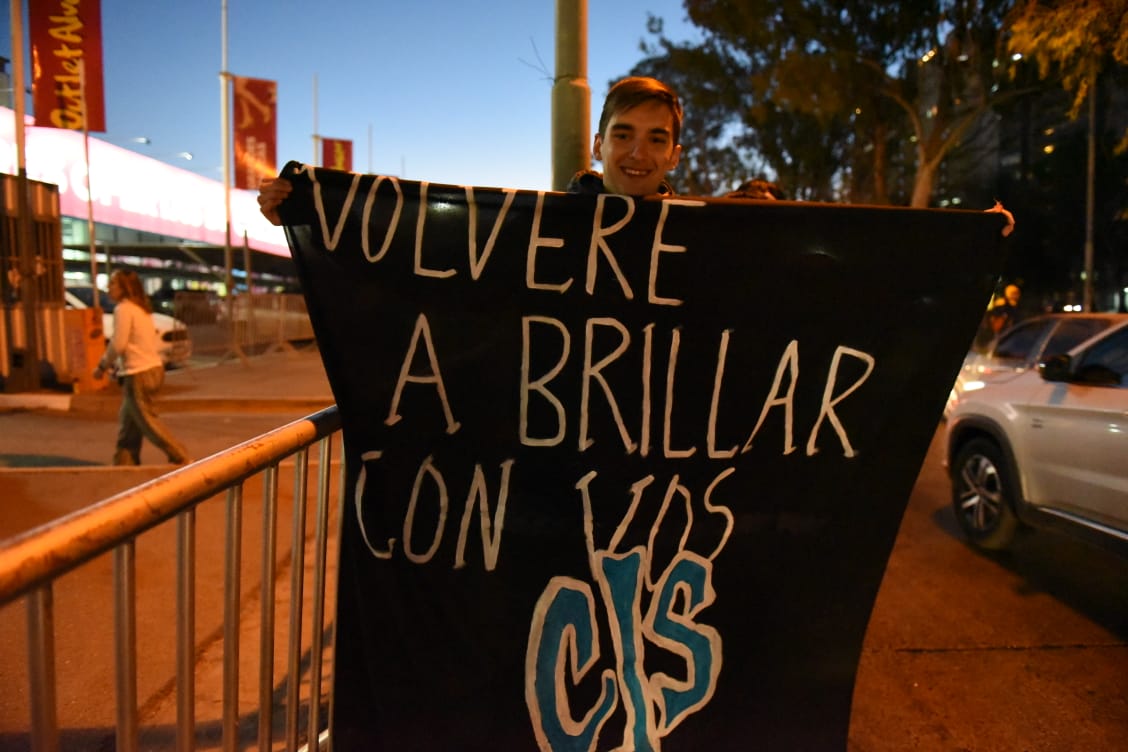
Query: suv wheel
point(983, 495)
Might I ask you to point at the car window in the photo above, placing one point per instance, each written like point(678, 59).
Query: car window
point(86, 295)
point(1072, 332)
point(1020, 342)
point(1106, 362)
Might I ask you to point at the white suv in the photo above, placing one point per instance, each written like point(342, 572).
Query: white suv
point(1046, 447)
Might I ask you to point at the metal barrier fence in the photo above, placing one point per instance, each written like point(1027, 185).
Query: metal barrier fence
point(33, 564)
point(248, 323)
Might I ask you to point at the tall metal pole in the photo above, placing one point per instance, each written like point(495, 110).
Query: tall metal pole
point(89, 191)
point(316, 136)
point(571, 95)
point(24, 370)
point(1090, 194)
point(225, 129)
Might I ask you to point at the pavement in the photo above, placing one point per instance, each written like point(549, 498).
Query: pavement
point(279, 380)
point(55, 455)
point(56, 447)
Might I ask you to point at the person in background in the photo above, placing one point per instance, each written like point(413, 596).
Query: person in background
point(1013, 295)
point(758, 189)
point(132, 353)
point(1005, 313)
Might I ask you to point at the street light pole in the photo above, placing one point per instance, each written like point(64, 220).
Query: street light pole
point(1090, 194)
point(571, 95)
point(316, 136)
point(225, 126)
point(25, 368)
point(90, 226)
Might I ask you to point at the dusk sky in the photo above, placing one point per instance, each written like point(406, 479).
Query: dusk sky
point(452, 92)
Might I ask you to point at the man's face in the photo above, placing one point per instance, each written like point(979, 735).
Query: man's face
point(637, 149)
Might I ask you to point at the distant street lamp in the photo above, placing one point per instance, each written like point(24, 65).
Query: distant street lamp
point(146, 141)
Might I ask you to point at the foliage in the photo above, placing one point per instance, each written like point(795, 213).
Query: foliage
point(835, 97)
point(1074, 41)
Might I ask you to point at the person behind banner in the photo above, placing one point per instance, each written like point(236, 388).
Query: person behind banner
point(639, 129)
point(758, 189)
point(1005, 313)
point(133, 354)
point(637, 142)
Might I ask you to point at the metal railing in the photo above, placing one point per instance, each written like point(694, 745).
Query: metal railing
point(248, 323)
point(32, 563)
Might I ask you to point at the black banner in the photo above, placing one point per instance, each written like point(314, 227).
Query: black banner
point(622, 473)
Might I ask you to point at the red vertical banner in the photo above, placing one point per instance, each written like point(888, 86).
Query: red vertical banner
point(65, 36)
point(336, 153)
point(256, 131)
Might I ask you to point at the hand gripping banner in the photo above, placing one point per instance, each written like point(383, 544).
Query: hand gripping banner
point(622, 474)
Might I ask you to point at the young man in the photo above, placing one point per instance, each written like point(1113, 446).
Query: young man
point(637, 143)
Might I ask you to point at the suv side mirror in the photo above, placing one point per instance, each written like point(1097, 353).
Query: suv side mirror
point(1055, 368)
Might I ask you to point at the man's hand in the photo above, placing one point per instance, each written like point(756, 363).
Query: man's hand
point(271, 194)
point(99, 372)
point(998, 207)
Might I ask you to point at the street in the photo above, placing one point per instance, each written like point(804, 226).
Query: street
point(1026, 650)
point(1020, 651)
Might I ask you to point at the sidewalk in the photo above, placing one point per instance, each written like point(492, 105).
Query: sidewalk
point(56, 449)
point(283, 380)
point(54, 460)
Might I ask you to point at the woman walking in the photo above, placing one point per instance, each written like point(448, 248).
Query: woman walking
point(132, 352)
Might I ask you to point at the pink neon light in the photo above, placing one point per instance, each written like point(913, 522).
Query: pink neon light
point(135, 191)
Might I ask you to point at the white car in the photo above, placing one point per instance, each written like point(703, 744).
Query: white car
point(1025, 344)
point(176, 344)
point(1046, 447)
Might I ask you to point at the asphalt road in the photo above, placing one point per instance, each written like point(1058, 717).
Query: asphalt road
point(1024, 651)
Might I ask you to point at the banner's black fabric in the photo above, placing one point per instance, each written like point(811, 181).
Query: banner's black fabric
point(621, 474)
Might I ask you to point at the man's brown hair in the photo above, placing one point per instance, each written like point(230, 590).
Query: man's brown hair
point(635, 90)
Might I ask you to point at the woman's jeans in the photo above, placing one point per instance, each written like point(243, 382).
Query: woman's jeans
point(138, 419)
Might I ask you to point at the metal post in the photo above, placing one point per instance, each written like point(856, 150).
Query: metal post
point(266, 606)
point(231, 601)
point(571, 95)
point(316, 136)
point(41, 669)
point(185, 630)
point(297, 604)
point(125, 643)
point(225, 129)
point(89, 190)
point(24, 371)
point(1090, 195)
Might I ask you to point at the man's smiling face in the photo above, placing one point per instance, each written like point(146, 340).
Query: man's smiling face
point(637, 149)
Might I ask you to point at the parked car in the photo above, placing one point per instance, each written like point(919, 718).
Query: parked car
point(1025, 344)
point(1046, 446)
point(176, 343)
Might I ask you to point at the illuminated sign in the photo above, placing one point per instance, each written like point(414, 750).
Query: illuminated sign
point(135, 191)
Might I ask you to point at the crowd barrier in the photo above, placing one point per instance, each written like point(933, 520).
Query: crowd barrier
point(169, 519)
point(248, 323)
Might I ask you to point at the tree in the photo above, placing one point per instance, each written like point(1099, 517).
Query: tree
point(836, 96)
point(1076, 42)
